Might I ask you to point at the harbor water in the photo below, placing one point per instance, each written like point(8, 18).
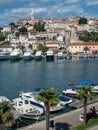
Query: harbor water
point(28, 75)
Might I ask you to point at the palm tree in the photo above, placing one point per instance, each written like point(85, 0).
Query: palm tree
point(50, 97)
point(6, 116)
point(84, 94)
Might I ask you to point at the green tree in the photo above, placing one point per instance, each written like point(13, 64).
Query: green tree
point(39, 26)
point(50, 97)
point(6, 116)
point(82, 21)
point(84, 94)
point(89, 36)
point(2, 37)
point(17, 34)
point(23, 30)
point(43, 48)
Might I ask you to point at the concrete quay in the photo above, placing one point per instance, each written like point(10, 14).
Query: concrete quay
point(65, 121)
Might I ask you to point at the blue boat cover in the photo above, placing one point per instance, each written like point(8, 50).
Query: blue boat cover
point(87, 82)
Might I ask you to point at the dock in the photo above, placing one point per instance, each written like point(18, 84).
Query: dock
point(78, 104)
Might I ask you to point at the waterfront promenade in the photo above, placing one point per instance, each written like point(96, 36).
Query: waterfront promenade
point(66, 121)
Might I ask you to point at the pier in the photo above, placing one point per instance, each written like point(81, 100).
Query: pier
point(78, 104)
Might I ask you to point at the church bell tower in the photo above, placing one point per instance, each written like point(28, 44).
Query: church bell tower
point(32, 14)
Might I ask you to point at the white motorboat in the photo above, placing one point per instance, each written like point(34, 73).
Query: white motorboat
point(32, 95)
point(4, 55)
point(49, 55)
point(95, 89)
point(16, 54)
point(60, 55)
point(4, 99)
point(38, 55)
point(27, 55)
point(25, 108)
point(70, 92)
point(65, 100)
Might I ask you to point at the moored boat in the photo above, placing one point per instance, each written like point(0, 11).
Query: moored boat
point(95, 89)
point(49, 55)
point(4, 99)
point(4, 55)
point(32, 99)
point(65, 100)
point(60, 55)
point(25, 108)
point(27, 55)
point(38, 55)
point(72, 91)
point(16, 54)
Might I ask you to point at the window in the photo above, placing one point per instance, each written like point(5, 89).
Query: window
point(26, 102)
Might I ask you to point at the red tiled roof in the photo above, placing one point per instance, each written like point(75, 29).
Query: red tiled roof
point(83, 43)
point(5, 46)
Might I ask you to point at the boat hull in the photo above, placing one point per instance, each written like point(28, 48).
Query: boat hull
point(38, 58)
point(4, 57)
point(26, 58)
point(12, 58)
point(49, 58)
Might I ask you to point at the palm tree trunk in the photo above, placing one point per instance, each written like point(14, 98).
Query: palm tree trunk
point(47, 114)
point(85, 110)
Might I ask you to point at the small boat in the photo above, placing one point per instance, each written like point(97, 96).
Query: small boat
point(68, 57)
point(4, 55)
point(4, 99)
point(49, 55)
point(65, 100)
point(27, 55)
point(38, 55)
point(16, 54)
point(56, 108)
point(25, 108)
point(80, 56)
point(60, 55)
point(34, 117)
point(31, 97)
point(95, 89)
point(86, 56)
point(70, 92)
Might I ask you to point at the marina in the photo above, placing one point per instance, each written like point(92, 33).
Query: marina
point(27, 76)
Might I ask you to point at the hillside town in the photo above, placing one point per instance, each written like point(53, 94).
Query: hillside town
point(55, 34)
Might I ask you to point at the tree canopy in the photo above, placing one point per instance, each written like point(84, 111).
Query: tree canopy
point(39, 26)
point(23, 30)
point(82, 20)
point(6, 116)
point(43, 48)
point(89, 37)
point(2, 37)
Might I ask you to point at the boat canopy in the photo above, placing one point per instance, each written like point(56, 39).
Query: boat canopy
point(87, 82)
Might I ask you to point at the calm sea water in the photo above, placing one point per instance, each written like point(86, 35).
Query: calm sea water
point(26, 76)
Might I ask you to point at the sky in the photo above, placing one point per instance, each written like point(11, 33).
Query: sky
point(13, 10)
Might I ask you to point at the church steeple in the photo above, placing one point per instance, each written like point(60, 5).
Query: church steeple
point(32, 14)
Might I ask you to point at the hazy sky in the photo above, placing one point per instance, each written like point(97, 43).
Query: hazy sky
point(12, 10)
